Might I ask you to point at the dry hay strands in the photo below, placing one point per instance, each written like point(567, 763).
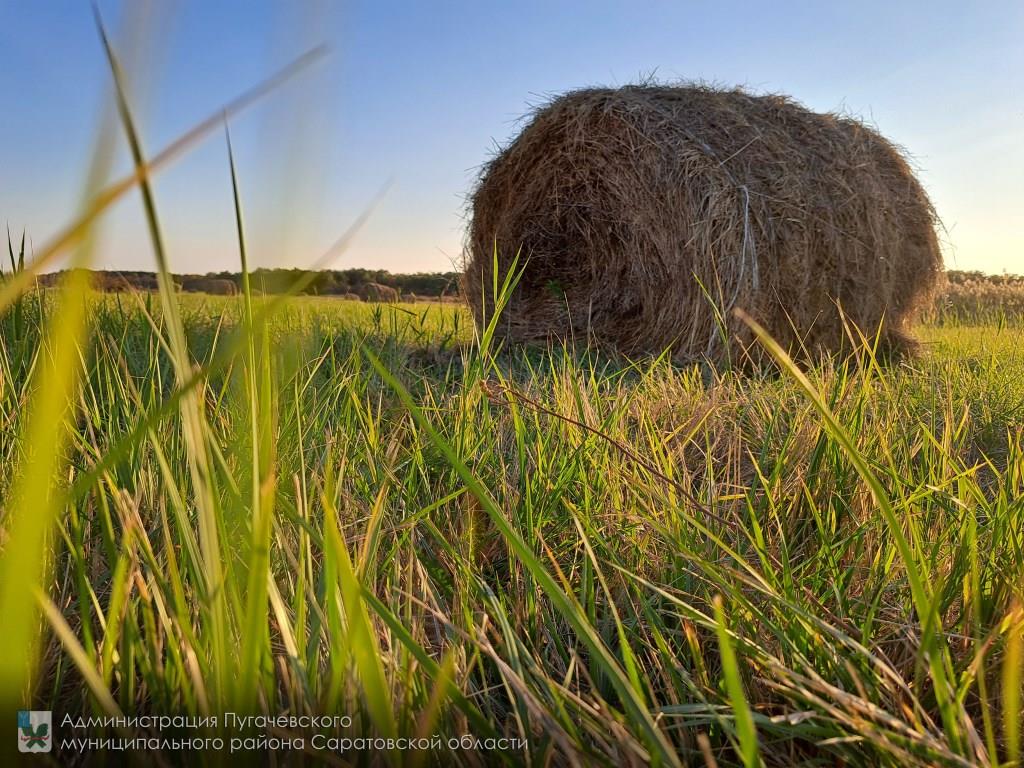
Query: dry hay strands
point(647, 214)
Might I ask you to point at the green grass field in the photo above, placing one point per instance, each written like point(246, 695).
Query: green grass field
point(367, 510)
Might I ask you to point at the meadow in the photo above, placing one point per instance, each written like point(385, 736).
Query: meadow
point(552, 556)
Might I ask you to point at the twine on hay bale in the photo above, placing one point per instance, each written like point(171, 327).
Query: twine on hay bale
point(646, 214)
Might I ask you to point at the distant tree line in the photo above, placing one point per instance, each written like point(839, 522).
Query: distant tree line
point(345, 282)
point(960, 277)
point(366, 282)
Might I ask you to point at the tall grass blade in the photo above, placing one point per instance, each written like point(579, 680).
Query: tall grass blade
point(746, 733)
point(192, 415)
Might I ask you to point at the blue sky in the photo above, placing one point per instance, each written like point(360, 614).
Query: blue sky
point(420, 93)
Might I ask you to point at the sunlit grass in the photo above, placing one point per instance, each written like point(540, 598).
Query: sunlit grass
point(442, 551)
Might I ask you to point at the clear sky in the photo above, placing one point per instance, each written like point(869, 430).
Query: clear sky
point(420, 93)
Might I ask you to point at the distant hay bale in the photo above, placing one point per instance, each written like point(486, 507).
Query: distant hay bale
point(213, 285)
point(645, 215)
point(378, 292)
point(116, 284)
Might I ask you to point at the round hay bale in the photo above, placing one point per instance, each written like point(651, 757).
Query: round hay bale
point(215, 286)
point(644, 215)
point(378, 292)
